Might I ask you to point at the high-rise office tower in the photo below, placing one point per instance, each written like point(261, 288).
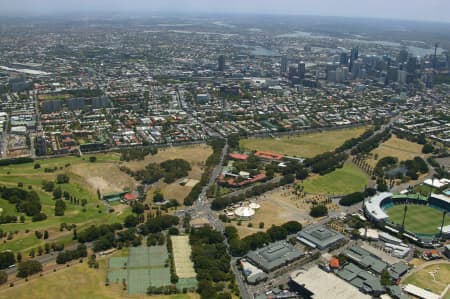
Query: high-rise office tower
point(221, 63)
point(343, 59)
point(284, 65)
point(354, 54)
point(392, 74)
point(435, 56)
point(301, 70)
point(356, 69)
point(411, 65)
point(403, 56)
point(292, 71)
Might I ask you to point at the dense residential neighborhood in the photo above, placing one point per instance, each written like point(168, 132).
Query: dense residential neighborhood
point(223, 157)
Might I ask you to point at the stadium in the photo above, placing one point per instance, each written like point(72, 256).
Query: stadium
point(421, 219)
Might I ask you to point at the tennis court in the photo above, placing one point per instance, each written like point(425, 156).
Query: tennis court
point(138, 281)
point(118, 275)
point(144, 267)
point(118, 262)
point(184, 267)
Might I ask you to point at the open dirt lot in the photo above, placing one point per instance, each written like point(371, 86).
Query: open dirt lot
point(277, 207)
point(196, 155)
point(106, 177)
point(396, 147)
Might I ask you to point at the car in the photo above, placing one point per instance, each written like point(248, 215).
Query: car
point(12, 266)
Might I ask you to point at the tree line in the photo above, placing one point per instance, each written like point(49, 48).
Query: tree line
point(137, 154)
point(211, 262)
point(368, 145)
point(222, 202)
point(214, 159)
point(170, 170)
point(27, 202)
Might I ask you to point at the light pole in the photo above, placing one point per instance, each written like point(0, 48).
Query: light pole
point(442, 225)
point(404, 217)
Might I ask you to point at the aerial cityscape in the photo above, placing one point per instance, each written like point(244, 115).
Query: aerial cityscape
point(206, 150)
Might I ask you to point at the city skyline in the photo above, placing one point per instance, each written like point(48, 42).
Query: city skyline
point(420, 10)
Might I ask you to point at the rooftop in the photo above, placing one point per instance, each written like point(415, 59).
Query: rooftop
point(274, 255)
point(320, 237)
point(325, 285)
point(373, 205)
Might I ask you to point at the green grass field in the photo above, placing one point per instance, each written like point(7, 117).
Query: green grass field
point(32, 178)
point(78, 281)
point(419, 219)
point(307, 145)
point(345, 180)
point(424, 279)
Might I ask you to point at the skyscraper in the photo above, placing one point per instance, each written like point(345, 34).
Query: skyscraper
point(301, 70)
point(284, 65)
point(354, 54)
point(221, 63)
point(403, 56)
point(343, 59)
point(435, 56)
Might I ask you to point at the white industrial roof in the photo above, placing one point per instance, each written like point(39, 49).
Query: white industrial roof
point(325, 285)
point(244, 212)
point(373, 207)
point(419, 292)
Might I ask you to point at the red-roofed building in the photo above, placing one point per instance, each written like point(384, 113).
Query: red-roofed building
point(269, 156)
point(334, 263)
point(130, 197)
point(237, 156)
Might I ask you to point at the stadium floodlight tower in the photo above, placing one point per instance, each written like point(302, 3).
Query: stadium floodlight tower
point(442, 224)
point(404, 217)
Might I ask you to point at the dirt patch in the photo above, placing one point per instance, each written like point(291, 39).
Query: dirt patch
point(196, 155)
point(280, 206)
point(106, 177)
point(396, 147)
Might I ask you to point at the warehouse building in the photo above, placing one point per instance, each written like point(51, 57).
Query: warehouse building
point(320, 237)
point(274, 256)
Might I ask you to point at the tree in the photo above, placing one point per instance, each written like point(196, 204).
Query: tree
point(3, 277)
point(6, 259)
point(351, 199)
point(292, 227)
point(60, 206)
point(318, 211)
point(385, 278)
point(131, 221)
point(427, 148)
point(48, 186)
point(37, 166)
point(92, 159)
point(28, 268)
point(62, 179)
point(158, 197)
point(138, 208)
point(57, 193)
point(173, 231)
point(45, 235)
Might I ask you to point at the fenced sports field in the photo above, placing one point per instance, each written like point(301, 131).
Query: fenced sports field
point(184, 267)
point(144, 267)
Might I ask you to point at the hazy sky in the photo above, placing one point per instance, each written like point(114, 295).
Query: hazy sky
point(437, 10)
